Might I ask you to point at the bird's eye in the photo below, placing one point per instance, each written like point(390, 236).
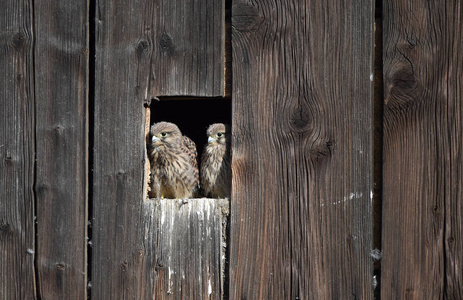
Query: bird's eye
point(219, 134)
point(163, 134)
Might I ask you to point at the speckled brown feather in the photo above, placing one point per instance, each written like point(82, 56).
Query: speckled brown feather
point(173, 172)
point(216, 163)
point(189, 147)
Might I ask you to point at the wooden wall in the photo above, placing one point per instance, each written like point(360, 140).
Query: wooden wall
point(44, 149)
point(423, 162)
point(302, 99)
point(139, 56)
point(17, 151)
point(80, 80)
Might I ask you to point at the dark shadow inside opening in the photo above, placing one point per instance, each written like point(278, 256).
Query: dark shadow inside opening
point(192, 115)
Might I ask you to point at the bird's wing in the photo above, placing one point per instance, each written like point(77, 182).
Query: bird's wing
point(189, 147)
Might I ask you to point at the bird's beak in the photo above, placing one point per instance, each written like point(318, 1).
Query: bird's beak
point(154, 139)
point(211, 139)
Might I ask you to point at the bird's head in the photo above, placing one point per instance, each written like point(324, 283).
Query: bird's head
point(218, 134)
point(165, 133)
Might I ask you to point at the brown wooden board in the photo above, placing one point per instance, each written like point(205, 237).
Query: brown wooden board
point(423, 143)
point(184, 41)
point(139, 56)
point(119, 152)
point(17, 144)
point(301, 205)
point(61, 93)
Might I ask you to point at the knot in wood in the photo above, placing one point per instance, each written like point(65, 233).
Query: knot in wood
point(8, 156)
point(18, 40)
point(245, 17)
point(121, 174)
point(165, 43)
point(5, 228)
point(124, 266)
point(142, 47)
point(300, 118)
point(404, 79)
point(59, 129)
point(321, 150)
point(403, 88)
point(159, 265)
point(42, 190)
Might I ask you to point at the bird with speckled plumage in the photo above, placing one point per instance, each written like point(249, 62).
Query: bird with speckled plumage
point(173, 163)
point(216, 162)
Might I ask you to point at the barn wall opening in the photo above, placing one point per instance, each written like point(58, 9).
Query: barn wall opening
point(192, 115)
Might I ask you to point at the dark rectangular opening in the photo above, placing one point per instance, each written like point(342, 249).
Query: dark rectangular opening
point(192, 115)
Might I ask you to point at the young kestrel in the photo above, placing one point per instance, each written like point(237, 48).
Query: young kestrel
point(216, 162)
point(173, 161)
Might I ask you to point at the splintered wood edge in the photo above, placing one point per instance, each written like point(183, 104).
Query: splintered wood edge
point(146, 187)
point(222, 203)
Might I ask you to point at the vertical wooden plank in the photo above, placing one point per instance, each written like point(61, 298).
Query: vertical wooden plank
point(144, 49)
point(185, 41)
point(121, 72)
point(422, 209)
point(61, 88)
point(16, 151)
point(301, 211)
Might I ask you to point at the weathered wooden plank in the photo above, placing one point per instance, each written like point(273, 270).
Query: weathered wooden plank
point(301, 212)
point(140, 55)
point(185, 42)
point(185, 237)
point(61, 91)
point(422, 209)
point(119, 152)
point(17, 145)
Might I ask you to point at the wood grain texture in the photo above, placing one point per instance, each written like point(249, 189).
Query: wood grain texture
point(17, 146)
point(185, 44)
point(301, 210)
point(129, 37)
point(61, 91)
point(119, 152)
point(422, 208)
point(185, 238)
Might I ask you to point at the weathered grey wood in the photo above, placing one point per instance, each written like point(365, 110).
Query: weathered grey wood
point(61, 93)
point(301, 208)
point(185, 238)
point(185, 44)
point(422, 207)
point(118, 266)
point(17, 145)
point(140, 54)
